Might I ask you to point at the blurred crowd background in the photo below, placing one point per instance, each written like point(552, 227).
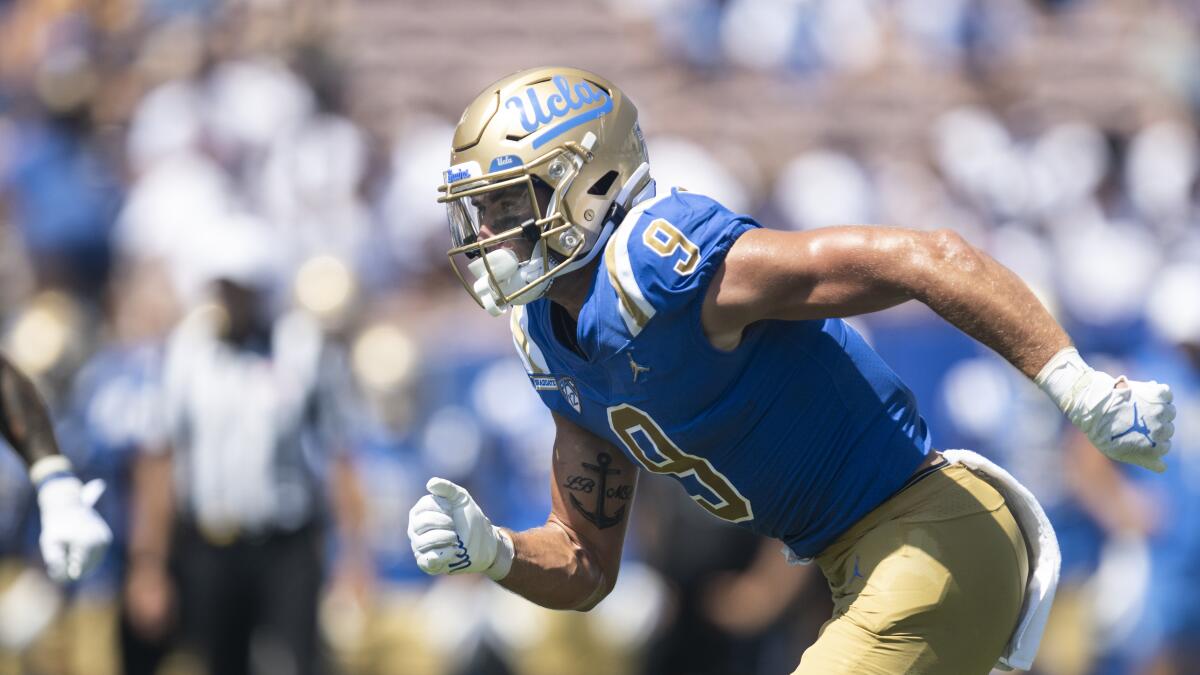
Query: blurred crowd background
point(176, 170)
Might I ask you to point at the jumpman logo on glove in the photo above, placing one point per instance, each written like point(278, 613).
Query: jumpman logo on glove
point(1139, 425)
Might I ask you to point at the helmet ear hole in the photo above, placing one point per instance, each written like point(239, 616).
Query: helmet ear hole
point(602, 187)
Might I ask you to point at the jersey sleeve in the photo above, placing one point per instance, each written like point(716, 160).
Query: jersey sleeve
point(661, 263)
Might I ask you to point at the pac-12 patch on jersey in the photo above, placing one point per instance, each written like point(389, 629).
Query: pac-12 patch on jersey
point(570, 392)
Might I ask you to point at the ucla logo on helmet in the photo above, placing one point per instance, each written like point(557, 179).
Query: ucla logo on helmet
point(504, 162)
point(570, 105)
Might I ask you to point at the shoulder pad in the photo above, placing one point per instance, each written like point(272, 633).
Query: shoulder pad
point(664, 253)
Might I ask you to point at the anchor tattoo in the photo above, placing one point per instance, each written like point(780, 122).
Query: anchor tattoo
point(598, 517)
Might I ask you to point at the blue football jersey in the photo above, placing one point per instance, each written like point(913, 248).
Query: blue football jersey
point(796, 434)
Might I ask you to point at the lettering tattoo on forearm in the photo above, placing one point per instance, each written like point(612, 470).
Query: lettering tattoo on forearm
point(24, 421)
point(599, 486)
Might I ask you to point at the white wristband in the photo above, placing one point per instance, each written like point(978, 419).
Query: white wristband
point(1061, 377)
point(502, 565)
point(48, 466)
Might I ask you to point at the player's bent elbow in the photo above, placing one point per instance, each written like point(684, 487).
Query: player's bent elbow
point(604, 586)
point(948, 247)
point(597, 578)
point(937, 256)
point(590, 572)
point(579, 592)
point(594, 577)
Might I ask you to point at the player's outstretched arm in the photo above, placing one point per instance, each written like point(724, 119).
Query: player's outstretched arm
point(843, 271)
point(74, 537)
point(572, 561)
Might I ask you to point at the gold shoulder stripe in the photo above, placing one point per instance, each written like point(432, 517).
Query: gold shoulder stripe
point(531, 355)
point(635, 319)
point(635, 310)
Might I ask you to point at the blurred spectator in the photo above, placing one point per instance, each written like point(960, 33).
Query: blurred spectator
point(67, 239)
point(730, 593)
point(823, 188)
point(1161, 175)
point(1172, 616)
point(1060, 135)
point(691, 166)
point(254, 409)
point(415, 225)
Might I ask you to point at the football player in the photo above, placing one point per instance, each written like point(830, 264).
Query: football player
point(74, 537)
point(668, 334)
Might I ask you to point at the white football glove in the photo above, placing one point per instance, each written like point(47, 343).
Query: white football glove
point(1130, 423)
point(74, 537)
point(450, 535)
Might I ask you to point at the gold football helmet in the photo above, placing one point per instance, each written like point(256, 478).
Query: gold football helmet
point(545, 163)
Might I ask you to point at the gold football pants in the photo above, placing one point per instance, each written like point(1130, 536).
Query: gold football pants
point(929, 582)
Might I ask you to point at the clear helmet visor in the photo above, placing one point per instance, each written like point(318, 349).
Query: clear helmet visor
point(499, 252)
point(494, 216)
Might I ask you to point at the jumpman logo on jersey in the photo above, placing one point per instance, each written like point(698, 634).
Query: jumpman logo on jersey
point(1139, 425)
point(633, 365)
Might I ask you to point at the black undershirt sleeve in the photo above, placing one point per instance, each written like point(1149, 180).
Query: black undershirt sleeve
point(24, 420)
point(5, 430)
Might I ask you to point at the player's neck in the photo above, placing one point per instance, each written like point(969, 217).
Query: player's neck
point(572, 290)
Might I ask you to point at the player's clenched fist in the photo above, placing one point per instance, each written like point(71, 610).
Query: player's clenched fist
point(1126, 420)
point(450, 535)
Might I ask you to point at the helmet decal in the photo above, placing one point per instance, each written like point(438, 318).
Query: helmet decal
point(504, 162)
point(563, 103)
point(462, 171)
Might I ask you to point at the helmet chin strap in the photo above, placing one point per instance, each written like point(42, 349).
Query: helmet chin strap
point(639, 187)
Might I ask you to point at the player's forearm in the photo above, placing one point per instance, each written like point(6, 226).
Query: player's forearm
point(985, 300)
point(24, 420)
point(349, 507)
point(152, 509)
point(1128, 421)
point(553, 569)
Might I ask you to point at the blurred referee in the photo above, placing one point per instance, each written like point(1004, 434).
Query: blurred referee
point(234, 503)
